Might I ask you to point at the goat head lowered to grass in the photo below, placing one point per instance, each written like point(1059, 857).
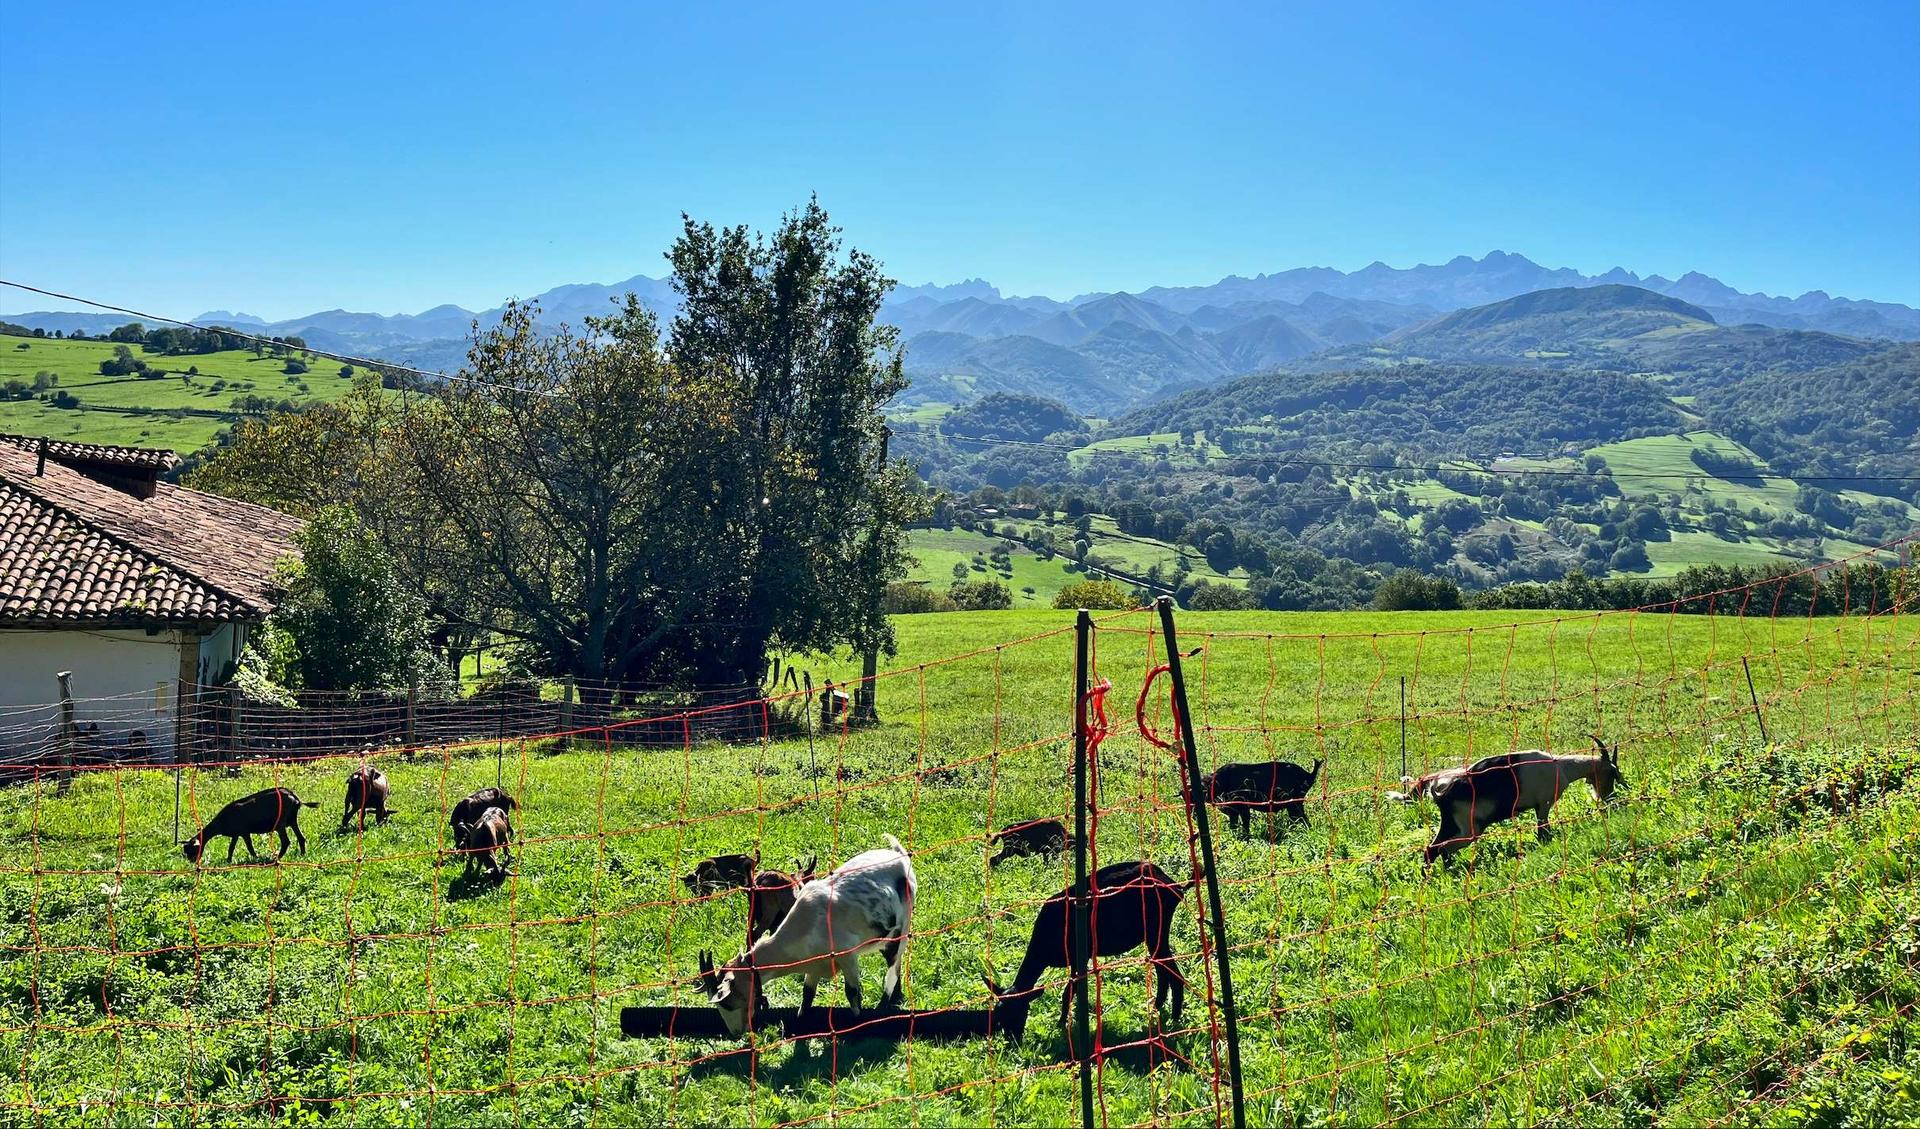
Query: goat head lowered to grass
point(1499, 788)
point(866, 903)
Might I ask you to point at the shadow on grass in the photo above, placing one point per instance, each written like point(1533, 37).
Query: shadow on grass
point(473, 884)
point(811, 1058)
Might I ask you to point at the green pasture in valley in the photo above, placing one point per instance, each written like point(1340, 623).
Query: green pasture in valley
point(180, 411)
point(1732, 940)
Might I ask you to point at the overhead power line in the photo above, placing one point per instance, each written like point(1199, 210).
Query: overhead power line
point(1288, 460)
point(244, 336)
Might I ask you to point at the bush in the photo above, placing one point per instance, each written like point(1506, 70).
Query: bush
point(981, 596)
point(294, 366)
point(906, 598)
point(1220, 598)
point(355, 625)
point(1630, 557)
point(1095, 595)
point(1409, 591)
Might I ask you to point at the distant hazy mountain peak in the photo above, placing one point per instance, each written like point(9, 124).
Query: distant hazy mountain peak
point(227, 317)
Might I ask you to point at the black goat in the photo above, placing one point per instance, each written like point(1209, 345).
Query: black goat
point(1133, 905)
point(276, 810)
point(721, 872)
point(467, 812)
point(1242, 789)
point(366, 792)
point(1044, 837)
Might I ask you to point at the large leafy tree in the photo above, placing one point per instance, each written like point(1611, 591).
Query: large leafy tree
point(350, 454)
point(680, 511)
point(805, 504)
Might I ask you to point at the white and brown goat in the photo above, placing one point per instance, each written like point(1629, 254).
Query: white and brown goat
point(1499, 788)
point(866, 902)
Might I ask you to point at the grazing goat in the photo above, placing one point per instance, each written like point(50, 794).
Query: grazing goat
point(366, 792)
point(276, 810)
point(485, 835)
point(721, 872)
point(1498, 788)
point(1044, 837)
point(869, 899)
point(469, 810)
point(1413, 789)
point(1133, 905)
point(772, 895)
point(1242, 789)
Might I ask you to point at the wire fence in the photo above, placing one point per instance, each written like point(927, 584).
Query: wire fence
point(1306, 873)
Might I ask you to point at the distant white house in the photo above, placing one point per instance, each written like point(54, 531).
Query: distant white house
point(133, 585)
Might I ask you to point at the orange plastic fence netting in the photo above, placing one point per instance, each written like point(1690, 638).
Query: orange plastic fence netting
point(1690, 922)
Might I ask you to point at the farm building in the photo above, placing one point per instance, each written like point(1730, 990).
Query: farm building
point(134, 585)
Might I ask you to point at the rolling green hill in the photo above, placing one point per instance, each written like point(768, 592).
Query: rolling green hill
point(182, 410)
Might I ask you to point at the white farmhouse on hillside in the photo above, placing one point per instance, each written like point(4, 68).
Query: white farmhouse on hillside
point(133, 585)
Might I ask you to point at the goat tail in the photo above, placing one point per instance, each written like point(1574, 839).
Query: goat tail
point(309, 803)
point(895, 844)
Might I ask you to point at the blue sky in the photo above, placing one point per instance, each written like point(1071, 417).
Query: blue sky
point(388, 158)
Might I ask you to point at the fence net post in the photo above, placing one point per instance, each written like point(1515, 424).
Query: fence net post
point(1216, 919)
point(1083, 903)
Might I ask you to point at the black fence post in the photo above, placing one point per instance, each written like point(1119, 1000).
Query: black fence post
point(1217, 921)
point(1083, 904)
point(1754, 697)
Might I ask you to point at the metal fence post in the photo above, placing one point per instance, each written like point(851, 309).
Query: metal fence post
point(1755, 699)
point(1083, 903)
point(1216, 916)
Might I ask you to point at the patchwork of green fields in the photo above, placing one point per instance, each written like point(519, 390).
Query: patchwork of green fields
point(1201, 450)
point(178, 411)
point(1034, 582)
point(1730, 940)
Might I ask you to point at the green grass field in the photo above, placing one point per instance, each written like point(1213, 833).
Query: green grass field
point(1672, 454)
point(222, 377)
point(1732, 941)
point(938, 550)
point(1203, 448)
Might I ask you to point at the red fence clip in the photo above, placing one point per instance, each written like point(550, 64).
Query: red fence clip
point(1140, 711)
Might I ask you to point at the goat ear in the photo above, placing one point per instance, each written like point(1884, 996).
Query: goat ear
point(1602, 746)
point(807, 867)
point(992, 988)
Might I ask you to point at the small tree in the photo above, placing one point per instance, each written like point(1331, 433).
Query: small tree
point(1409, 591)
point(981, 596)
point(354, 624)
point(1095, 595)
point(294, 366)
point(1221, 598)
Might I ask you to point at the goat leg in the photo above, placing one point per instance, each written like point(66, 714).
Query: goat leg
point(850, 976)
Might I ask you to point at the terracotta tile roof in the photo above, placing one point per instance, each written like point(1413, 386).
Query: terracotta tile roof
point(98, 454)
point(76, 552)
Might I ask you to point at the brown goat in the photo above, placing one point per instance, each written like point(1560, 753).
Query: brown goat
point(490, 833)
point(772, 894)
point(275, 809)
point(469, 811)
point(366, 792)
point(1499, 788)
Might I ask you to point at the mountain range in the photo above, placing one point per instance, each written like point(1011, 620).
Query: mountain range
point(1103, 352)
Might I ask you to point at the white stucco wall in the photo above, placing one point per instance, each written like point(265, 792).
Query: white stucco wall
point(115, 679)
